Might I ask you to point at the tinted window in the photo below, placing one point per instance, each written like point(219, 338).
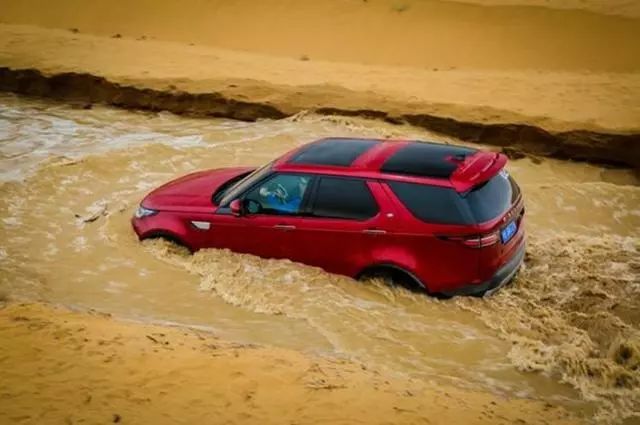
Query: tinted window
point(433, 204)
point(340, 152)
point(344, 198)
point(444, 205)
point(426, 159)
point(492, 198)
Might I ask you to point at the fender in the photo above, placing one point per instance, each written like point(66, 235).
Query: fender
point(168, 235)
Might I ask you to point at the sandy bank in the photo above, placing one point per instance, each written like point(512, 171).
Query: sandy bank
point(567, 115)
point(561, 80)
point(417, 33)
point(58, 366)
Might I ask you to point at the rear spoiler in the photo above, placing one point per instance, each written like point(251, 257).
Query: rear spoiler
point(477, 169)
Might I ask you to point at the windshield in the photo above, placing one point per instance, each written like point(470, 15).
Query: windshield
point(237, 189)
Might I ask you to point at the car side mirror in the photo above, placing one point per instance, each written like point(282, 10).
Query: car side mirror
point(236, 207)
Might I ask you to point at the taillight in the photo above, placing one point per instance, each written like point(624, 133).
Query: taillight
point(475, 241)
point(481, 241)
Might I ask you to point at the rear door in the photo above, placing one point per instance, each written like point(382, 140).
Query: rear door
point(344, 224)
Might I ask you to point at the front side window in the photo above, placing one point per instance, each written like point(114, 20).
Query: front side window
point(281, 194)
point(344, 198)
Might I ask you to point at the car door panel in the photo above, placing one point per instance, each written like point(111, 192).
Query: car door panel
point(260, 235)
point(341, 245)
point(267, 234)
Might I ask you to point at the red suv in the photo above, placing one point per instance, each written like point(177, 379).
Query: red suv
point(444, 218)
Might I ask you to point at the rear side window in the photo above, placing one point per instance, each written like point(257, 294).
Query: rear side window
point(444, 205)
point(492, 198)
point(344, 198)
point(432, 204)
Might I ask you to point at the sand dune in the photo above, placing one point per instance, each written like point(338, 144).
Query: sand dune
point(516, 109)
point(417, 33)
point(628, 8)
point(558, 68)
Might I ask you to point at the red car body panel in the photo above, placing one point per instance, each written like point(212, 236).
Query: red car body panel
point(182, 201)
point(394, 237)
point(193, 191)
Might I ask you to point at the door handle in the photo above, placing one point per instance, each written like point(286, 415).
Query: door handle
point(284, 227)
point(374, 232)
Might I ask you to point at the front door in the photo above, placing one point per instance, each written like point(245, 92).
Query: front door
point(271, 210)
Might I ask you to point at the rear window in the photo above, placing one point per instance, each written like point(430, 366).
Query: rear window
point(492, 198)
point(444, 205)
point(344, 198)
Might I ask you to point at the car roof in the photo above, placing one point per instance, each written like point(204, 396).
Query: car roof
point(414, 161)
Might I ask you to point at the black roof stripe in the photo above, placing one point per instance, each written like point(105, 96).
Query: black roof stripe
point(426, 159)
point(337, 152)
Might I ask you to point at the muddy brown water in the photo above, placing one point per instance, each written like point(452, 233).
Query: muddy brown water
point(567, 330)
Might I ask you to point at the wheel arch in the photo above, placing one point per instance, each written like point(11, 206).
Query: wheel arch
point(398, 273)
point(167, 235)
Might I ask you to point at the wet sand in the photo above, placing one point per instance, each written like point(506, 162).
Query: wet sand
point(58, 366)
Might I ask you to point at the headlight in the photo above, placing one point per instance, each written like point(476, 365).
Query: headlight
point(142, 212)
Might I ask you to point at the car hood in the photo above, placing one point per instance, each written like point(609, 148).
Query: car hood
point(191, 191)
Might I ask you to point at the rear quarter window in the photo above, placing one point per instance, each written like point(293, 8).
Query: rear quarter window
point(343, 198)
point(432, 204)
point(444, 205)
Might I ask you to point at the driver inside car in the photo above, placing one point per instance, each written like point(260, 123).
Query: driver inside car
point(277, 197)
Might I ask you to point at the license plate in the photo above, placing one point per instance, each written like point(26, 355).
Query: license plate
point(507, 233)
